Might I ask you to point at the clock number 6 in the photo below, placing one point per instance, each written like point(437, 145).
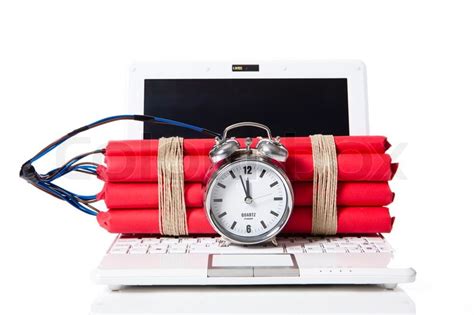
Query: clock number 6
point(247, 170)
point(249, 228)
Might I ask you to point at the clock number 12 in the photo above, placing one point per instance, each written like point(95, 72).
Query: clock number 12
point(247, 170)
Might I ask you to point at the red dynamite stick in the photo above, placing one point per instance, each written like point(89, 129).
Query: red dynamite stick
point(298, 167)
point(145, 195)
point(295, 145)
point(351, 220)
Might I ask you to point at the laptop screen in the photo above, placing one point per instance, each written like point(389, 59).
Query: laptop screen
point(290, 107)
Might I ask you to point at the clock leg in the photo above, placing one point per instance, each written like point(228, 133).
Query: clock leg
point(223, 242)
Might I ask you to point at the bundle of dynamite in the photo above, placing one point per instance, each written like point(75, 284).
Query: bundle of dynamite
point(363, 171)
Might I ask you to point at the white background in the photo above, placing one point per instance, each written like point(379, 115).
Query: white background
point(64, 64)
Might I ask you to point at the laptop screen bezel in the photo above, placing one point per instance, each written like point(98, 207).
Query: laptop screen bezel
point(353, 71)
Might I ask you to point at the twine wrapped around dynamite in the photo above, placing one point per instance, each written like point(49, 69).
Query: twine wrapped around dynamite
point(363, 171)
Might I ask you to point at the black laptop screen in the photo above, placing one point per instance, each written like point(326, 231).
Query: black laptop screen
point(290, 107)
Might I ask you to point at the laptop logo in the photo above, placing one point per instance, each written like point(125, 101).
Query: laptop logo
point(243, 68)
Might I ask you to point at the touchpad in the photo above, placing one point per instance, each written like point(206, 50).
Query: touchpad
point(252, 261)
point(247, 265)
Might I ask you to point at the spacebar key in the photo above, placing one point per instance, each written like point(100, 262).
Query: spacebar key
point(232, 249)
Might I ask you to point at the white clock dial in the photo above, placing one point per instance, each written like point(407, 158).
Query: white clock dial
point(249, 199)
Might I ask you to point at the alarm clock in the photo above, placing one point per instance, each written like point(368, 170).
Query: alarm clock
point(248, 197)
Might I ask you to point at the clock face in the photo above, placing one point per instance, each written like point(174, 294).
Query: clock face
point(249, 201)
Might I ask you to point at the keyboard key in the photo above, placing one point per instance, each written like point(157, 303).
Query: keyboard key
point(207, 240)
point(169, 240)
point(188, 241)
point(300, 243)
point(176, 250)
point(384, 249)
point(234, 249)
point(150, 239)
point(121, 245)
point(151, 242)
point(336, 250)
point(330, 245)
point(139, 246)
point(179, 245)
point(350, 246)
point(314, 250)
point(357, 240)
point(122, 250)
point(201, 245)
point(128, 241)
point(138, 250)
point(200, 250)
point(157, 251)
point(159, 247)
point(319, 242)
point(369, 249)
point(375, 241)
point(294, 249)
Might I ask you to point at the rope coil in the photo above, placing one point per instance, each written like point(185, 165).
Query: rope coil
point(171, 205)
point(324, 219)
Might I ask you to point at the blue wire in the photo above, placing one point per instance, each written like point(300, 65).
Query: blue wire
point(87, 197)
point(45, 152)
point(79, 206)
point(86, 167)
point(67, 198)
point(178, 124)
point(63, 171)
point(67, 192)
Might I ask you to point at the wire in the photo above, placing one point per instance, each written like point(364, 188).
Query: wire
point(45, 183)
point(143, 118)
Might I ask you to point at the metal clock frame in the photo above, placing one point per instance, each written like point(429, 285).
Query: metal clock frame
point(222, 167)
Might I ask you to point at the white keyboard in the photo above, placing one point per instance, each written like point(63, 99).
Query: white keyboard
point(129, 245)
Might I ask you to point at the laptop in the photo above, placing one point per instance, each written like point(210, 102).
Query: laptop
point(293, 99)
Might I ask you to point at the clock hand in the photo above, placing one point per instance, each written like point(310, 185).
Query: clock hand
point(243, 186)
point(262, 196)
point(248, 188)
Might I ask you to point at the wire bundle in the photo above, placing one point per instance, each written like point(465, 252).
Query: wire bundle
point(45, 181)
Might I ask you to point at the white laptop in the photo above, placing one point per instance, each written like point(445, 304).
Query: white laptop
point(292, 99)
